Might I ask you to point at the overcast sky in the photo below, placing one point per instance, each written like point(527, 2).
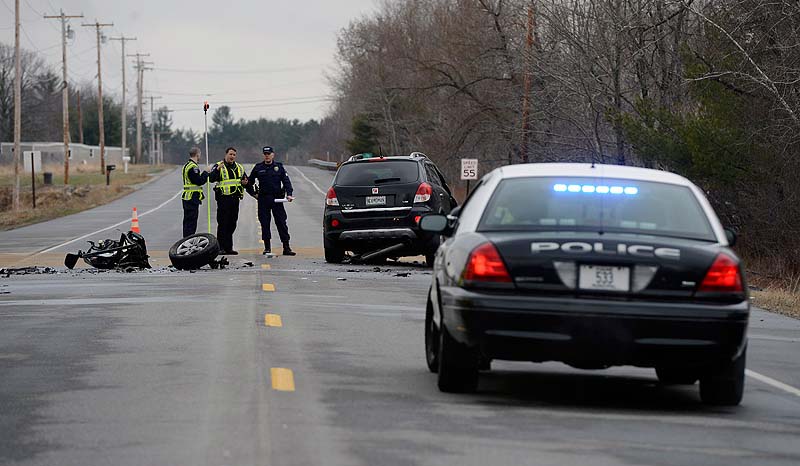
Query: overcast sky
point(263, 58)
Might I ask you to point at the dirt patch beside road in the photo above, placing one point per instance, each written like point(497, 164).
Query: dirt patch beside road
point(87, 189)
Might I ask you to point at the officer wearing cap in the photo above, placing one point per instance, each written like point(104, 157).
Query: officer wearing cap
point(231, 184)
point(273, 183)
point(193, 181)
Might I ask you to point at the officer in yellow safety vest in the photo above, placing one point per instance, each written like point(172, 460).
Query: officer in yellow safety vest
point(193, 181)
point(231, 182)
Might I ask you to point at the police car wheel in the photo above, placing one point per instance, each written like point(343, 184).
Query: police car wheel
point(724, 385)
point(194, 251)
point(458, 365)
point(431, 339)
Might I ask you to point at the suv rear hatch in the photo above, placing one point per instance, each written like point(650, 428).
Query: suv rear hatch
point(377, 188)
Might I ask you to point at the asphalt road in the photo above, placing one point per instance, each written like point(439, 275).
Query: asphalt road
point(179, 368)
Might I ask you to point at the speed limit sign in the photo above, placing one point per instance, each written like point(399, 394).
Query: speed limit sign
point(469, 169)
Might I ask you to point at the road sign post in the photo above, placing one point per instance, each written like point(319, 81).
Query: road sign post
point(469, 171)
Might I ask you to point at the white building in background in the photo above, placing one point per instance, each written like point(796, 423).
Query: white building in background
point(53, 154)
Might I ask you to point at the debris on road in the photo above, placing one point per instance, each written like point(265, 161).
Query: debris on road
point(35, 270)
point(127, 254)
point(403, 274)
point(341, 279)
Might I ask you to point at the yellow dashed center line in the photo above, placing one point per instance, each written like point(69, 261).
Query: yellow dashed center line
point(282, 379)
point(268, 287)
point(273, 320)
point(266, 266)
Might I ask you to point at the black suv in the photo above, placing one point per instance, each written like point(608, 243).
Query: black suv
point(376, 202)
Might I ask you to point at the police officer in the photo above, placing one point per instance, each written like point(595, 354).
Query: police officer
point(231, 182)
point(273, 183)
point(193, 181)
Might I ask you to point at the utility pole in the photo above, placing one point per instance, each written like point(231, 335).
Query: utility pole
point(152, 130)
point(140, 68)
point(80, 119)
point(97, 25)
point(526, 125)
point(64, 87)
point(122, 40)
point(17, 108)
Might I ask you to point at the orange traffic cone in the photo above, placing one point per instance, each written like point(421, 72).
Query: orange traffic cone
point(135, 222)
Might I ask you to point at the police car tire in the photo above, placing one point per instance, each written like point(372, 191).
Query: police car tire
point(724, 385)
point(458, 365)
point(431, 338)
point(196, 259)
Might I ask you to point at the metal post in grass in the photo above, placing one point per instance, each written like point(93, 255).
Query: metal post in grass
point(33, 180)
point(208, 185)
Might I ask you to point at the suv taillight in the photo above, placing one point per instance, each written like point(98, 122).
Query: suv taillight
point(424, 193)
point(330, 198)
point(486, 265)
point(724, 276)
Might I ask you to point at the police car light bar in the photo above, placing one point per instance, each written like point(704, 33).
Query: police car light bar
point(592, 189)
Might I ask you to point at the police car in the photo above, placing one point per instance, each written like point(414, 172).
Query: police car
point(591, 265)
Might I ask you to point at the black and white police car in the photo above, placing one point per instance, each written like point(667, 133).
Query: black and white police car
point(591, 265)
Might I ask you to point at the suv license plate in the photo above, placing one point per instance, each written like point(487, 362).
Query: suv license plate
point(376, 200)
point(604, 278)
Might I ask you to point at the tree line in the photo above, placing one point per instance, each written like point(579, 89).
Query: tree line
point(705, 88)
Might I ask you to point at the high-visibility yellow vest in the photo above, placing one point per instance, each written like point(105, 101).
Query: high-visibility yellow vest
point(190, 188)
point(228, 185)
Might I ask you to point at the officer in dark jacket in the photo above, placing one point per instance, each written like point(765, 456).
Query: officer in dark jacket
point(273, 183)
point(193, 181)
point(231, 183)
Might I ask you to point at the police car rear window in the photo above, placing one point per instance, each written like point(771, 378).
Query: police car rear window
point(383, 172)
point(581, 204)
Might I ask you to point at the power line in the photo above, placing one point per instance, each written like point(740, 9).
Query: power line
point(252, 71)
point(226, 102)
point(263, 106)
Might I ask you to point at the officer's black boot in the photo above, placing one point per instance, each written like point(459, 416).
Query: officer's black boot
point(267, 249)
point(287, 251)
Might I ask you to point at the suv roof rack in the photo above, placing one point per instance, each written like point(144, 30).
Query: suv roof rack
point(369, 155)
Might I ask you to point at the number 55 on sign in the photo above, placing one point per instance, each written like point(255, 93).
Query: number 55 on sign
point(469, 169)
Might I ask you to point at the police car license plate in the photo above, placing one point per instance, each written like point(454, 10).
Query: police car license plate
point(604, 278)
point(376, 200)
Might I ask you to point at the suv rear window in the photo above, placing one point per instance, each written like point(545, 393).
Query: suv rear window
point(581, 204)
point(377, 173)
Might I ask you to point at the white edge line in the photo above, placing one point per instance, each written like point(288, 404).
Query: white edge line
point(53, 248)
point(774, 383)
point(309, 180)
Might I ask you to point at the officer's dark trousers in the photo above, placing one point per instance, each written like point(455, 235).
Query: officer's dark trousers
point(267, 207)
point(191, 209)
point(227, 215)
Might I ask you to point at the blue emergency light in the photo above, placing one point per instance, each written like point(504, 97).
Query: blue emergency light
point(592, 189)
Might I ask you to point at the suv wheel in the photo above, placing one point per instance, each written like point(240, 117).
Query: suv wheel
point(429, 259)
point(724, 385)
point(334, 254)
point(431, 338)
point(458, 365)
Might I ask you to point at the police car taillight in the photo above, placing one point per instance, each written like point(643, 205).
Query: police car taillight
point(724, 276)
point(330, 198)
point(486, 265)
point(424, 193)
